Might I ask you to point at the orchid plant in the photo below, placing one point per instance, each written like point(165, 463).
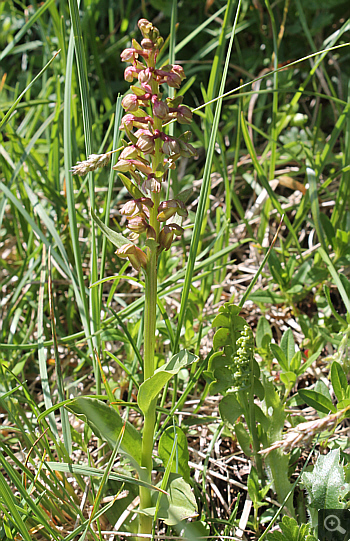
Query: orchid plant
point(152, 223)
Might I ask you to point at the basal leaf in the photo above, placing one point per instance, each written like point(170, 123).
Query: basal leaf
point(326, 484)
point(152, 386)
point(106, 423)
point(182, 503)
point(181, 458)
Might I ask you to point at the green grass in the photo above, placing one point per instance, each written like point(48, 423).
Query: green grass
point(61, 83)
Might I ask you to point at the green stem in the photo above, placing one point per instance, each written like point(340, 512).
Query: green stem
point(145, 525)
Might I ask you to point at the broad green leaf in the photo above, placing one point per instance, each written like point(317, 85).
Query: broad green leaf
point(150, 388)
point(317, 400)
point(280, 356)
point(106, 423)
point(263, 329)
point(115, 238)
point(288, 345)
point(259, 390)
point(178, 505)
point(133, 190)
point(326, 484)
point(221, 320)
point(339, 381)
point(244, 439)
point(181, 458)
point(291, 531)
point(230, 409)
point(296, 362)
point(182, 503)
point(288, 378)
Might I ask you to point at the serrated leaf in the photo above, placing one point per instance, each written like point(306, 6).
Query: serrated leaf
point(317, 400)
point(133, 190)
point(326, 484)
point(115, 238)
point(152, 386)
point(106, 423)
point(180, 462)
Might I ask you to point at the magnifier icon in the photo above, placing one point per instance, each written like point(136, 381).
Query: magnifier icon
point(332, 524)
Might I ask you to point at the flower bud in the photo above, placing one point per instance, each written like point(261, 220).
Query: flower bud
point(145, 169)
point(184, 115)
point(147, 43)
point(166, 210)
point(123, 166)
point(145, 76)
point(179, 71)
point(130, 73)
point(127, 121)
point(187, 150)
point(145, 143)
point(131, 208)
point(130, 103)
point(137, 224)
point(170, 145)
point(173, 80)
point(128, 55)
point(160, 109)
point(167, 234)
point(129, 153)
point(136, 256)
point(145, 27)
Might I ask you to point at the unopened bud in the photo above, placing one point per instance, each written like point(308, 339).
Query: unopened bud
point(145, 143)
point(184, 115)
point(166, 210)
point(128, 55)
point(160, 109)
point(170, 145)
point(145, 76)
point(167, 234)
point(145, 27)
point(137, 224)
point(130, 152)
point(130, 103)
point(130, 73)
point(179, 71)
point(147, 43)
point(123, 166)
point(136, 256)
